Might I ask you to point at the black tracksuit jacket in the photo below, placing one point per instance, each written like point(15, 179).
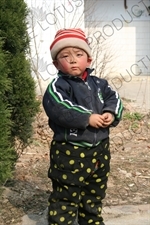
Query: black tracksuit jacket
point(69, 101)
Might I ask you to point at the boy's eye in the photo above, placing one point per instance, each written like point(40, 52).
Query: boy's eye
point(79, 54)
point(64, 56)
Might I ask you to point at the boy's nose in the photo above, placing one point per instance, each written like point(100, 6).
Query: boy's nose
point(72, 59)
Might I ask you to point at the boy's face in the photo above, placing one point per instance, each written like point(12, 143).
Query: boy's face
point(72, 61)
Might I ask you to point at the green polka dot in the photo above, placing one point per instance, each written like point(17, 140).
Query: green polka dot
point(60, 190)
point(107, 174)
point(95, 175)
point(51, 213)
point(99, 209)
point(98, 180)
point(92, 205)
point(70, 222)
point(75, 171)
point(63, 143)
point(62, 165)
point(75, 147)
point(82, 193)
point(88, 201)
point(65, 186)
point(62, 219)
point(64, 176)
point(102, 186)
point(81, 178)
point(95, 153)
point(72, 203)
point(70, 212)
point(93, 191)
point(63, 207)
point(82, 165)
point(97, 223)
point(55, 165)
point(74, 194)
point(82, 155)
point(73, 214)
point(106, 157)
point(54, 142)
point(102, 165)
point(90, 221)
point(88, 170)
point(55, 213)
point(94, 160)
point(81, 205)
point(52, 156)
point(57, 152)
point(82, 214)
point(68, 152)
point(98, 197)
point(71, 162)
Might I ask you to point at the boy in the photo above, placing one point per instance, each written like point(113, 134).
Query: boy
point(81, 108)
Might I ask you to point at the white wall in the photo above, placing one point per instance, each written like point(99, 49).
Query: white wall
point(122, 33)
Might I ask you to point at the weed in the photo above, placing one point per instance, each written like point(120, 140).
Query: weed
point(132, 116)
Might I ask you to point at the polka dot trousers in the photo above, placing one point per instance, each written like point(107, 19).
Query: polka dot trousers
point(79, 176)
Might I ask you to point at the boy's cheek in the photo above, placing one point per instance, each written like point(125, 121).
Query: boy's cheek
point(62, 66)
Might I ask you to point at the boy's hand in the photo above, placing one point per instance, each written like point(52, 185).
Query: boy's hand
point(108, 118)
point(97, 120)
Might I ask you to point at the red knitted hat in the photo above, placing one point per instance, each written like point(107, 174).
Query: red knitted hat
point(74, 37)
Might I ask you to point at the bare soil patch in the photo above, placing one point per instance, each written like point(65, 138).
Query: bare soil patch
point(129, 181)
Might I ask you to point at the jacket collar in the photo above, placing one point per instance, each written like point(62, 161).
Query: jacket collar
point(88, 71)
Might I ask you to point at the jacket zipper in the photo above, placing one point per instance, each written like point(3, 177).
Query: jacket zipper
point(95, 132)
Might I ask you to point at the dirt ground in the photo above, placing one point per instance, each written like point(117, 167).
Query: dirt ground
point(129, 181)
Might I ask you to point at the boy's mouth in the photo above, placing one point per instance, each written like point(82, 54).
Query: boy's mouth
point(74, 68)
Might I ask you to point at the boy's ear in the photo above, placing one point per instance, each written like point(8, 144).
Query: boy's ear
point(55, 63)
point(89, 60)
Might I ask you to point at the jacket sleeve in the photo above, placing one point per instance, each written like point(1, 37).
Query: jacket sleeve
point(112, 103)
point(60, 108)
